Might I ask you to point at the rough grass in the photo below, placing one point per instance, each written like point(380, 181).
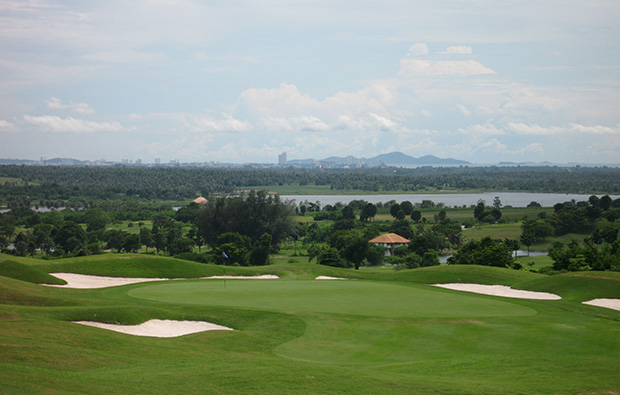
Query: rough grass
point(578, 287)
point(389, 333)
point(20, 271)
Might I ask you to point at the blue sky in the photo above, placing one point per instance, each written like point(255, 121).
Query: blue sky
point(242, 81)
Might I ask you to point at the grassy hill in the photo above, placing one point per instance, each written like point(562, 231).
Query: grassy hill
point(386, 332)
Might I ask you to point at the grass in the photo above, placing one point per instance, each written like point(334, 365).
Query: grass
point(388, 332)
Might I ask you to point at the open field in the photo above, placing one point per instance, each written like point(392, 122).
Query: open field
point(388, 332)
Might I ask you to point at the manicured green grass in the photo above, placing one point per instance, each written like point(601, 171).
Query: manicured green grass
point(511, 230)
point(536, 262)
point(386, 333)
point(360, 298)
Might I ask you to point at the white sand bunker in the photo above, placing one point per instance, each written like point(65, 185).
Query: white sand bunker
point(613, 304)
point(500, 290)
point(159, 328)
point(87, 281)
point(330, 278)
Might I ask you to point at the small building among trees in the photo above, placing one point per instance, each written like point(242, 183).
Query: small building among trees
point(390, 241)
point(200, 200)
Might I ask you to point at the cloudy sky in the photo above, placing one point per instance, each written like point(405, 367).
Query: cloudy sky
point(242, 81)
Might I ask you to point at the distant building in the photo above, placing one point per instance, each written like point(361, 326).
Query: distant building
point(390, 241)
point(157, 161)
point(282, 158)
point(200, 200)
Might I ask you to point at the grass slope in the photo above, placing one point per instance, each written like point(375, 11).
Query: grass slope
point(20, 271)
point(297, 336)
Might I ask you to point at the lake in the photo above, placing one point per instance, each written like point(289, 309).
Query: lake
point(514, 199)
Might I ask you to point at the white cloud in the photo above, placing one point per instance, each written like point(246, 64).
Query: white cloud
point(534, 148)
point(493, 145)
point(288, 102)
point(479, 130)
point(535, 129)
point(596, 129)
point(55, 103)
point(294, 124)
point(418, 50)
point(523, 98)
point(464, 110)
point(425, 68)
point(227, 124)
point(5, 124)
point(457, 50)
point(51, 123)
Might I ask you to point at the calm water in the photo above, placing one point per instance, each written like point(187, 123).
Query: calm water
point(514, 199)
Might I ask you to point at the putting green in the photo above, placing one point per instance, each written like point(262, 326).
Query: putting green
point(359, 298)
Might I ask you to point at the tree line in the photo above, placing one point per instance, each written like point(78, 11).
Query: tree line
point(43, 184)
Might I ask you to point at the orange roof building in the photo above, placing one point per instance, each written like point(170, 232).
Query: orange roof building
point(200, 200)
point(390, 241)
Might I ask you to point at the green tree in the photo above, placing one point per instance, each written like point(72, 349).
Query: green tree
point(259, 256)
point(132, 243)
point(330, 256)
point(146, 238)
point(396, 211)
point(368, 212)
point(95, 219)
point(479, 211)
point(416, 215)
point(232, 248)
point(69, 236)
point(348, 213)
point(116, 239)
point(355, 249)
point(497, 203)
point(407, 207)
point(376, 255)
point(486, 252)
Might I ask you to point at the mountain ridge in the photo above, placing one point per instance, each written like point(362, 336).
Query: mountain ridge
point(392, 158)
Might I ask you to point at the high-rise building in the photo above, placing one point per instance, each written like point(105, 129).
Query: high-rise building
point(282, 158)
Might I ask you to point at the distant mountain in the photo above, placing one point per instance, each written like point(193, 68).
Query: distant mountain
point(398, 158)
point(391, 159)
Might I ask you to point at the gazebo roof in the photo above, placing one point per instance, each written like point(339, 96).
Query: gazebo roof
point(390, 238)
point(200, 200)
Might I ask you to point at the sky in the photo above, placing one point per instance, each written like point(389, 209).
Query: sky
point(239, 81)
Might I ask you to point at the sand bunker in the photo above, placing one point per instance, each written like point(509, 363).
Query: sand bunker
point(159, 328)
point(330, 278)
point(500, 290)
point(613, 304)
point(87, 281)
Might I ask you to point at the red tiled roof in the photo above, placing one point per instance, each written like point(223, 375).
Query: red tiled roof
point(390, 238)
